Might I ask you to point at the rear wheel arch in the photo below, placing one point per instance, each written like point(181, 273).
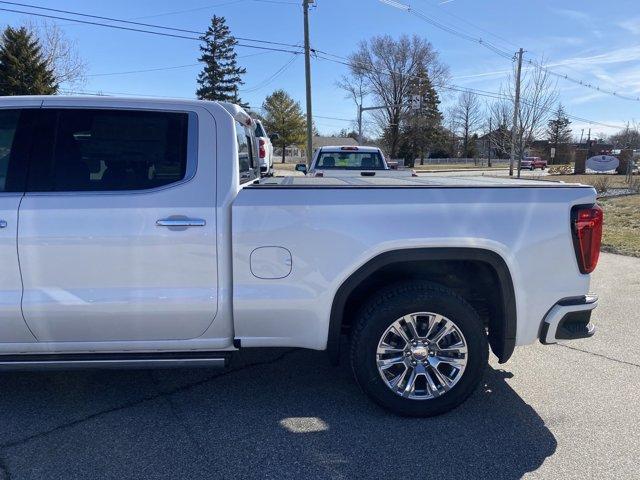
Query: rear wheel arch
point(441, 265)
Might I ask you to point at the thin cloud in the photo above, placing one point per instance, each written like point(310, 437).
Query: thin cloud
point(621, 55)
point(572, 14)
point(631, 25)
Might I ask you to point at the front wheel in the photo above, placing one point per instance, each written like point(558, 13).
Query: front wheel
point(418, 349)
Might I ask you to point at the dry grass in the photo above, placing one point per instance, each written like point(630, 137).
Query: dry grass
point(621, 225)
point(455, 166)
point(287, 167)
point(613, 181)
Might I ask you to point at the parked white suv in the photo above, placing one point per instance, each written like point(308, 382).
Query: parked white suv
point(265, 150)
point(136, 232)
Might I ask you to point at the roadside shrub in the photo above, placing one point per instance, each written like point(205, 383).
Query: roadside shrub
point(561, 170)
point(601, 183)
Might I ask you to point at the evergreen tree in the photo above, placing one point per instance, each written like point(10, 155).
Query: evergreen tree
point(283, 115)
point(23, 68)
point(559, 134)
point(221, 76)
point(421, 126)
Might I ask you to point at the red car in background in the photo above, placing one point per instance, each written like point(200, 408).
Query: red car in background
point(532, 163)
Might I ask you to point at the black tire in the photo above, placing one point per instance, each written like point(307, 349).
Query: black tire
point(393, 302)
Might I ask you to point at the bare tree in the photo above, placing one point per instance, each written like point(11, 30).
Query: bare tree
point(628, 137)
point(468, 117)
point(501, 114)
point(356, 88)
point(387, 66)
point(61, 53)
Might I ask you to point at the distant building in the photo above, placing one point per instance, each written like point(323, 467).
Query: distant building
point(492, 145)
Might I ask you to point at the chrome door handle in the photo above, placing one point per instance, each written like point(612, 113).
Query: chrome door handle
point(181, 222)
point(3, 224)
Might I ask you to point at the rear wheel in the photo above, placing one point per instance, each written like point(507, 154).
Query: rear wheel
point(418, 349)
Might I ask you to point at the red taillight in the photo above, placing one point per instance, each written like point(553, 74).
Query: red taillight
point(587, 237)
point(262, 151)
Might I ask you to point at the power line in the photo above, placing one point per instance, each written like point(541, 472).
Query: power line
point(127, 22)
point(502, 52)
point(335, 118)
point(584, 83)
point(461, 19)
point(271, 78)
point(209, 7)
point(453, 31)
point(159, 69)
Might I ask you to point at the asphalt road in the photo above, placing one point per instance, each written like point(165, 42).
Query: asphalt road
point(569, 412)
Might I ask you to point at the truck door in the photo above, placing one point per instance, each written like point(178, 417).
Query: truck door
point(117, 233)
point(14, 145)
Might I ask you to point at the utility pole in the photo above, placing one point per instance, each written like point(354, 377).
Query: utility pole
point(360, 123)
point(366, 109)
point(490, 143)
point(307, 73)
point(516, 115)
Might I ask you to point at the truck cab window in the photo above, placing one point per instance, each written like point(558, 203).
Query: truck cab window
point(109, 150)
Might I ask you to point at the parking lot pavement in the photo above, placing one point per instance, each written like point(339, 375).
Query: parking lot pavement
point(568, 412)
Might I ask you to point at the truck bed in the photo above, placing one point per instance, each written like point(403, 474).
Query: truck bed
point(423, 181)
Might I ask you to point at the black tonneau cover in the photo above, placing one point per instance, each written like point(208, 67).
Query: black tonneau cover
point(425, 181)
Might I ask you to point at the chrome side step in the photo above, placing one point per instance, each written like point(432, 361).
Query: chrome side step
point(74, 361)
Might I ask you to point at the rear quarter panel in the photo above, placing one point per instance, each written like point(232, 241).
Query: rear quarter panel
point(332, 232)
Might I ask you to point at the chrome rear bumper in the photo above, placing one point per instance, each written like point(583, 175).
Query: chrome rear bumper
point(569, 319)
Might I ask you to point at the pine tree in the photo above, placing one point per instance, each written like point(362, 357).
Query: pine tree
point(421, 126)
point(221, 76)
point(559, 134)
point(23, 68)
point(283, 115)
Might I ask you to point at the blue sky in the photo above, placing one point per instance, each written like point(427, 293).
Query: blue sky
point(598, 42)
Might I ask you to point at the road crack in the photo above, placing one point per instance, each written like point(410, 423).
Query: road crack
point(624, 362)
point(134, 403)
point(174, 410)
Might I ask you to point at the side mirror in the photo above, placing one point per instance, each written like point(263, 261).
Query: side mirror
point(301, 167)
point(274, 136)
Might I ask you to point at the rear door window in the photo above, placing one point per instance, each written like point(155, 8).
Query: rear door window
point(16, 139)
point(109, 150)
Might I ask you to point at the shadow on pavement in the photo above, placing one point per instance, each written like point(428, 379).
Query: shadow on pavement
point(275, 414)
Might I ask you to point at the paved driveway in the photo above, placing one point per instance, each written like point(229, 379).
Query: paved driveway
point(568, 412)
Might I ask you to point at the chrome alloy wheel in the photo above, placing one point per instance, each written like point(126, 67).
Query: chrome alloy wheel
point(421, 355)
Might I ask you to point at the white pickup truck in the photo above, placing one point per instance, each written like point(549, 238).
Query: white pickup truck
point(350, 161)
point(137, 233)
